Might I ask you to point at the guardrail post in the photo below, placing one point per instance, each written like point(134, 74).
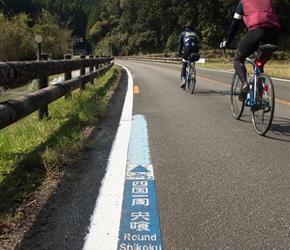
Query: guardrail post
point(91, 69)
point(67, 74)
point(42, 83)
point(83, 70)
point(98, 66)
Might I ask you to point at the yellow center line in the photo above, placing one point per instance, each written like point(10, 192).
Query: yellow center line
point(282, 101)
point(136, 90)
point(220, 83)
point(228, 85)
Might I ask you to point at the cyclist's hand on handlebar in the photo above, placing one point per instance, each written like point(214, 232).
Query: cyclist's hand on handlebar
point(223, 44)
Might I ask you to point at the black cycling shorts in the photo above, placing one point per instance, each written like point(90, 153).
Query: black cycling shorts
point(251, 42)
point(188, 51)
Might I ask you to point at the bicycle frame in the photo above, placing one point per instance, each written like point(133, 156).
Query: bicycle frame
point(253, 97)
point(190, 77)
point(189, 64)
point(258, 68)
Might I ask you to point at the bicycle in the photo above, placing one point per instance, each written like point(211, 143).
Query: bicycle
point(261, 96)
point(190, 79)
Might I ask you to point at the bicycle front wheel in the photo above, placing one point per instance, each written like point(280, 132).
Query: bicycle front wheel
point(236, 105)
point(263, 112)
point(191, 80)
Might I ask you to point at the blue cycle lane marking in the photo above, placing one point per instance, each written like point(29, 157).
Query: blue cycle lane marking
point(139, 225)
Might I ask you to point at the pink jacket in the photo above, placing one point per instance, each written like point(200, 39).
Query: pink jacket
point(260, 14)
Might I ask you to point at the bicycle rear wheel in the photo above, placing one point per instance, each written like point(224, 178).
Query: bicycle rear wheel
point(191, 80)
point(237, 106)
point(263, 112)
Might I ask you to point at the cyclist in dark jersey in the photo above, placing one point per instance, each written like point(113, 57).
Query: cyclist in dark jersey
point(263, 27)
point(189, 39)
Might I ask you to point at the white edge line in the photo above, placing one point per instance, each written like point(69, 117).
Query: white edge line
point(105, 221)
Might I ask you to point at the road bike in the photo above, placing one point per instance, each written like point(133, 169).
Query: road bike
point(261, 96)
point(190, 79)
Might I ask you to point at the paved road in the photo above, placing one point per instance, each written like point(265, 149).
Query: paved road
point(219, 184)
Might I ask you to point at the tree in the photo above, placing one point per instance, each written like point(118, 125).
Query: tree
point(113, 7)
point(16, 40)
point(147, 26)
point(57, 36)
point(282, 8)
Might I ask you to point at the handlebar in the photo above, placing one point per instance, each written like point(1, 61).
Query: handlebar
point(224, 52)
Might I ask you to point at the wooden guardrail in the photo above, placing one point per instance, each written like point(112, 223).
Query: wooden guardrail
point(13, 72)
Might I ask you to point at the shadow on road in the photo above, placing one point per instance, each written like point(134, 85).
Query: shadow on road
point(211, 92)
point(281, 127)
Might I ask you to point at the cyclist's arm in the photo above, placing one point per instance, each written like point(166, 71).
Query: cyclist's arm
point(199, 35)
point(235, 23)
point(180, 43)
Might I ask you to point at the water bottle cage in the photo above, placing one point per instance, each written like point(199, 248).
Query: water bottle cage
point(248, 103)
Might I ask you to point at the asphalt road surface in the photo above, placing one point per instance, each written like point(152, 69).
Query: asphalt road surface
point(219, 184)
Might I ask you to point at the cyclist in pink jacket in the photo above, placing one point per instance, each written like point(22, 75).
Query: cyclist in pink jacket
point(263, 27)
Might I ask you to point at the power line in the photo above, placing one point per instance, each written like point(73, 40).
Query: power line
point(10, 10)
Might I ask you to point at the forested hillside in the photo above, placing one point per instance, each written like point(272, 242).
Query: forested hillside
point(147, 26)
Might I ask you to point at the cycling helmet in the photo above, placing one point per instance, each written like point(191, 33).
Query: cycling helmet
point(189, 25)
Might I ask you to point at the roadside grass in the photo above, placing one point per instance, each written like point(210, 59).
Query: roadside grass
point(32, 150)
point(272, 68)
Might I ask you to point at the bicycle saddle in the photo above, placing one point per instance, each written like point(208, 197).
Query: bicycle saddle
point(268, 48)
point(193, 57)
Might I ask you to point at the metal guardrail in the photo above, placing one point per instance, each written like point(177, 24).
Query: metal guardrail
point(160, 59)
point(12, 72)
